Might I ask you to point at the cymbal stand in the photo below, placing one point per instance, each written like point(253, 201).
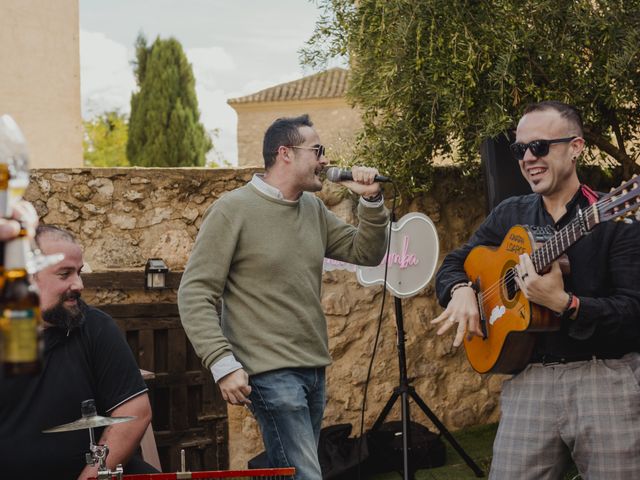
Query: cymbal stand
point(98, 456)
point(98, 453)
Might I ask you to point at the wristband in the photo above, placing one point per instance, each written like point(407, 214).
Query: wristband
point(375, 198)
point(459, 285)
point(571, 306)
point(575, 305)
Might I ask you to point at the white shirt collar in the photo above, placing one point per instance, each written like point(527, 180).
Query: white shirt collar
point(269, 190)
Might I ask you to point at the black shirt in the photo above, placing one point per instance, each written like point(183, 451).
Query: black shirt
point(91, 361)
point(605, 275)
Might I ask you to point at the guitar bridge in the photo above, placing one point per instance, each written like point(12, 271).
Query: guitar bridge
point(483, 318)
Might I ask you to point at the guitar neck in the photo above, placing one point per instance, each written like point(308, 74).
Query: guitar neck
point(564, 238)
point(620, 202)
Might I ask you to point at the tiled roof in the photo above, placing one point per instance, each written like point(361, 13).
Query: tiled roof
point(331, 83)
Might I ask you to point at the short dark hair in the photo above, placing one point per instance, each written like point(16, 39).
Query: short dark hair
point(566, 111)
point(56, 232)
point(284, 131)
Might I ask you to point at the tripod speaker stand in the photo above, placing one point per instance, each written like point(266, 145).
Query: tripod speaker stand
point(404, 391)
point(404, 281)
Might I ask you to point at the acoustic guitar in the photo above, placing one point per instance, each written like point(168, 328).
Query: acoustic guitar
point(508, 320)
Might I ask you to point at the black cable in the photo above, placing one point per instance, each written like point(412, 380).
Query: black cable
point(379, 328)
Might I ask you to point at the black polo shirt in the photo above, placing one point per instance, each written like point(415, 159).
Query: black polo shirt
point(91, 361)
point(605, 275)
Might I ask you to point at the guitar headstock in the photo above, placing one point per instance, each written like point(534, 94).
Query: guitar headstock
point(622, 202)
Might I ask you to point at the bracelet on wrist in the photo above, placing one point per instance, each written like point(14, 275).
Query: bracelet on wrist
point(459, 285)
point(375, 198)
point(573, 309)
point(571, 306)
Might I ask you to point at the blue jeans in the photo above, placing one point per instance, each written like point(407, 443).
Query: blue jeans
point(288, 405)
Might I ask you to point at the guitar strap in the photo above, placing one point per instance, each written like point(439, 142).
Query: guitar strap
point(589, 194)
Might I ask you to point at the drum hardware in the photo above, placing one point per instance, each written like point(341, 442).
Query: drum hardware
point(183, 473)
point(183, 460)
point(98, 453)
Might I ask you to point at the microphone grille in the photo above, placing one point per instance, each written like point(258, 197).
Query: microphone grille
point(333, 174)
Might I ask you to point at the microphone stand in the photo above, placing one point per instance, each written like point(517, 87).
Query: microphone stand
point(404, 391)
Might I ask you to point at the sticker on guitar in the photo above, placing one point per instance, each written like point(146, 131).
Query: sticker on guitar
point(497, 312)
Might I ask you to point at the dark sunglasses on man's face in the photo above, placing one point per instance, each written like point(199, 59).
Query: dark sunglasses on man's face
point(539, 148)
point(318, 148)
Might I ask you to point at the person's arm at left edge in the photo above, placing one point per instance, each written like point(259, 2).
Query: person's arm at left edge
point(23, 215)
point(123, 438)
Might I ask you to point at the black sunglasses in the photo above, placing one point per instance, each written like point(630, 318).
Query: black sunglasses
point(539, 148)
point(319, 149)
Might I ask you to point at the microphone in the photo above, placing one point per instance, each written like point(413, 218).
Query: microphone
point(335, 174)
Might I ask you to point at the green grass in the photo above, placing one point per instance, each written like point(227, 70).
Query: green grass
point(477, 442)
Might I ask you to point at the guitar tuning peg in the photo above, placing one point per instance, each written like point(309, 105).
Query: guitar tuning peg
point(622, 202)
point(613, 199)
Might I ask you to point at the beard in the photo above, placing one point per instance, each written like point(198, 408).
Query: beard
point(66, 317)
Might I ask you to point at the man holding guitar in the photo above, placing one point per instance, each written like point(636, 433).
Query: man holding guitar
point(571, 338)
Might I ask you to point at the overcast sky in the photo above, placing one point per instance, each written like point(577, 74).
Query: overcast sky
point(236, 47)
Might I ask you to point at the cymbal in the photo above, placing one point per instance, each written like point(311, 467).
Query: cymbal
point(92, 421)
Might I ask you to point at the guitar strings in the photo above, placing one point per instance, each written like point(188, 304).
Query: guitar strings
point(539, 254)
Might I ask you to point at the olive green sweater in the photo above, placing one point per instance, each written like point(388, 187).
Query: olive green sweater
point(263, 256)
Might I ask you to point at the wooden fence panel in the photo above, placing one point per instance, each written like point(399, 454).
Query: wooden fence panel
point(188, 410)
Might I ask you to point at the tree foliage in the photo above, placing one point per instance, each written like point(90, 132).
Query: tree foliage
point(164, 127)
point(105, 141)
point(436, 77)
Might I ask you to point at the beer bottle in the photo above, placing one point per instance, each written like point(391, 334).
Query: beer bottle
point(20, 321)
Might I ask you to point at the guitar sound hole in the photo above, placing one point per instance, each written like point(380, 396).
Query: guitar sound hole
point(511, 286)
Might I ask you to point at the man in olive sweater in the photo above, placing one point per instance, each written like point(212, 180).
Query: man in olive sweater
point(260, 249)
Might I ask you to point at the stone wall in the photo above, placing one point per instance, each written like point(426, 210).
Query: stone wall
point(124, 216)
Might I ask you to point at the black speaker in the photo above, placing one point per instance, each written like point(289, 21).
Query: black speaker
point(502, 177)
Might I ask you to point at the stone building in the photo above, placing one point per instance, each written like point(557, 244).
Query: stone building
point(321, 95)
point(40, 77)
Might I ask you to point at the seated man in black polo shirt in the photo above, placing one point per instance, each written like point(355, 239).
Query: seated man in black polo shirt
point(85, 357)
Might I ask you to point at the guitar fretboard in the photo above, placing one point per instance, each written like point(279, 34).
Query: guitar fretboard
point(564, 238)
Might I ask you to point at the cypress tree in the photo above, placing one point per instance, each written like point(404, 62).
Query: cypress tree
point(164, 127)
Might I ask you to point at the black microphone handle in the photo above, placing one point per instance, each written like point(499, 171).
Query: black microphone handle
point(346, 175)
point(382, 179)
